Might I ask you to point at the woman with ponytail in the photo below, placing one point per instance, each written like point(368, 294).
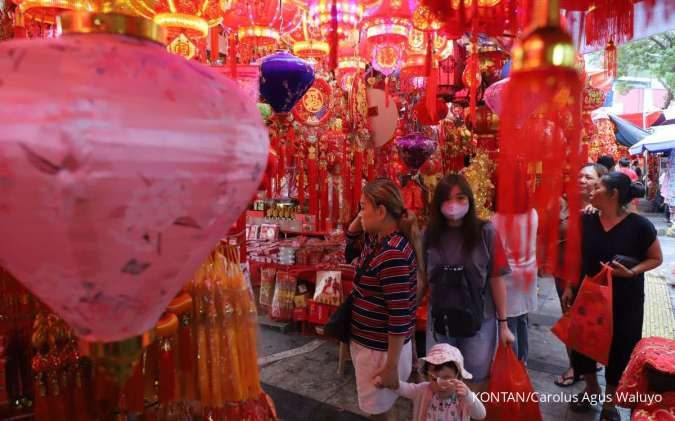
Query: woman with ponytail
point(626, 242)
point(389, 264)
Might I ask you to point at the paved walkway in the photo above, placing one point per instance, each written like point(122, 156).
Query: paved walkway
point(307, 386)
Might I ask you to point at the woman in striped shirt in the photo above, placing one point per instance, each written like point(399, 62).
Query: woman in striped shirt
point(384, 295)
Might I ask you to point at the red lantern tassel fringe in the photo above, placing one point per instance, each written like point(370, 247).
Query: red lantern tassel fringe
point(134, 390)
point(311, 185)
point(215, 44)
point(611, 19)
point(167, 374)
point(334, 35)
point(358, 178)
point(300, 171)
point(232, 53)
point(346, 181)
point(323, 190)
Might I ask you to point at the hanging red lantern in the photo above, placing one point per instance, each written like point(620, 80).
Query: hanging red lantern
point(255, 23)
point(593, 98)
point(349, 15)
point(389, 26)
point(425, 20)
point(540, 148)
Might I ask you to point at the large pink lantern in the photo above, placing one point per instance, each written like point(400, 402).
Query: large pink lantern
point(121, 167)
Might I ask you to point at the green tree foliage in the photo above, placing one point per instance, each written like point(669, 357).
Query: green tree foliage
point(653, 56)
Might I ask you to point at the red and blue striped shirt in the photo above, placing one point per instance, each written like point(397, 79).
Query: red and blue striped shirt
point(385, 294)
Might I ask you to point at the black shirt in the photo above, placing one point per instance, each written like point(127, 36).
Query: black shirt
point(631, 237)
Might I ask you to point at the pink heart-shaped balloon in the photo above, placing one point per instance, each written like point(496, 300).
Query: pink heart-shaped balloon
point(121, 167)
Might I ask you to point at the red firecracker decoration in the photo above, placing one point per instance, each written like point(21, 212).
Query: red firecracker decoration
point(610, 60)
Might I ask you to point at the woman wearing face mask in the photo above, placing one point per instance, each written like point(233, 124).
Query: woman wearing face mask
point(589, 177)
point(384, 295)
point(609, 237)
point(465, 262)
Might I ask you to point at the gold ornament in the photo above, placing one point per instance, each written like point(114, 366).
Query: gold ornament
point(478, 175)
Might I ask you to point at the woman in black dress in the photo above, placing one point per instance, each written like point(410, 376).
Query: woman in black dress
point(611, 232)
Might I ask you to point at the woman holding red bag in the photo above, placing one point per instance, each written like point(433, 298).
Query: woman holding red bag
point(626, 242)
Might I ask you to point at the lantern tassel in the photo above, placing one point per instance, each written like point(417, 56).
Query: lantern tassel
point(610, 60)
point(358, 178)
point(215, 45)
point(334, 35)
point(311, 185)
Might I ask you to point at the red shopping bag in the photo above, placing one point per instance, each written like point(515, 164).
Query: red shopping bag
point(510, 393)
point(587, 327)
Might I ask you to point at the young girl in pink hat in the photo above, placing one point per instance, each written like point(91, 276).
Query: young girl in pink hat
point(445, 397)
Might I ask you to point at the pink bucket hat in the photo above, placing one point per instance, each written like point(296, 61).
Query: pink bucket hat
point(443, 353)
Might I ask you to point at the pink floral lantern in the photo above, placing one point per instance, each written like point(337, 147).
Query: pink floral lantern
point(118, 180)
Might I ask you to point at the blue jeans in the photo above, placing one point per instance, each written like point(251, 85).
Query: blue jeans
point(518, 325)
point(478, 351)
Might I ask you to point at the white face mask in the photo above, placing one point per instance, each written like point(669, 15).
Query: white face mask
point(454, 211)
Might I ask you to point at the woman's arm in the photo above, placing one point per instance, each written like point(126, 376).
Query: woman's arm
point(498, 287)
point(654, 258)
point(476, 408)
point(355, 240)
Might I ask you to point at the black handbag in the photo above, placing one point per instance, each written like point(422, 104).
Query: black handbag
point(456, 304)
point(339, 324)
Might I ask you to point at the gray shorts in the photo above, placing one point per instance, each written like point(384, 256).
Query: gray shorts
point(478, 350)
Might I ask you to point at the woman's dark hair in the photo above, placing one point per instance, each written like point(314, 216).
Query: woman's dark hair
point(600, 169)
point(450, 364)
point(626, 189)
point(471, 225)
point(607, 161)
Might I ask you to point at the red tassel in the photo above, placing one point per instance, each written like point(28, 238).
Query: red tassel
point(232, 53)
point(134, 391)
point(610, 60)
point(473, 89)
point(610, 20)
point(186, 357)
point(335, 217)
point(167, 374)
point(300, 171)
point(429, 62)
point(41, 404)
point(346, 180)
point(358, 178)
point(311, 181)
point(386, 92)
point(323, 191)
point(291, 149)
point(281, 169)
point(215, 44)
point(334, 36)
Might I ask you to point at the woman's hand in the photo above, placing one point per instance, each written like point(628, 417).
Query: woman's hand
point(567, 298)
point(461, 389)
point(505, 334)
point(589, 210)
point(355, 227)
point(386, 377)
point(620, 270)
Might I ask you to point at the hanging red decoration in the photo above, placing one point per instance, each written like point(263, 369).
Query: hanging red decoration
point(425, 117)
point(314, 108)
point(540, 141)
point(610, 60)
point(610, 20)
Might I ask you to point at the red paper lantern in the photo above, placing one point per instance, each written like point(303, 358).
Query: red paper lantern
point(389, 25)
point(487, 122)
point(593, 98)
point(144, 159)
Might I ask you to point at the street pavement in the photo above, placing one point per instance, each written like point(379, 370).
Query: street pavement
point(307, 387)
